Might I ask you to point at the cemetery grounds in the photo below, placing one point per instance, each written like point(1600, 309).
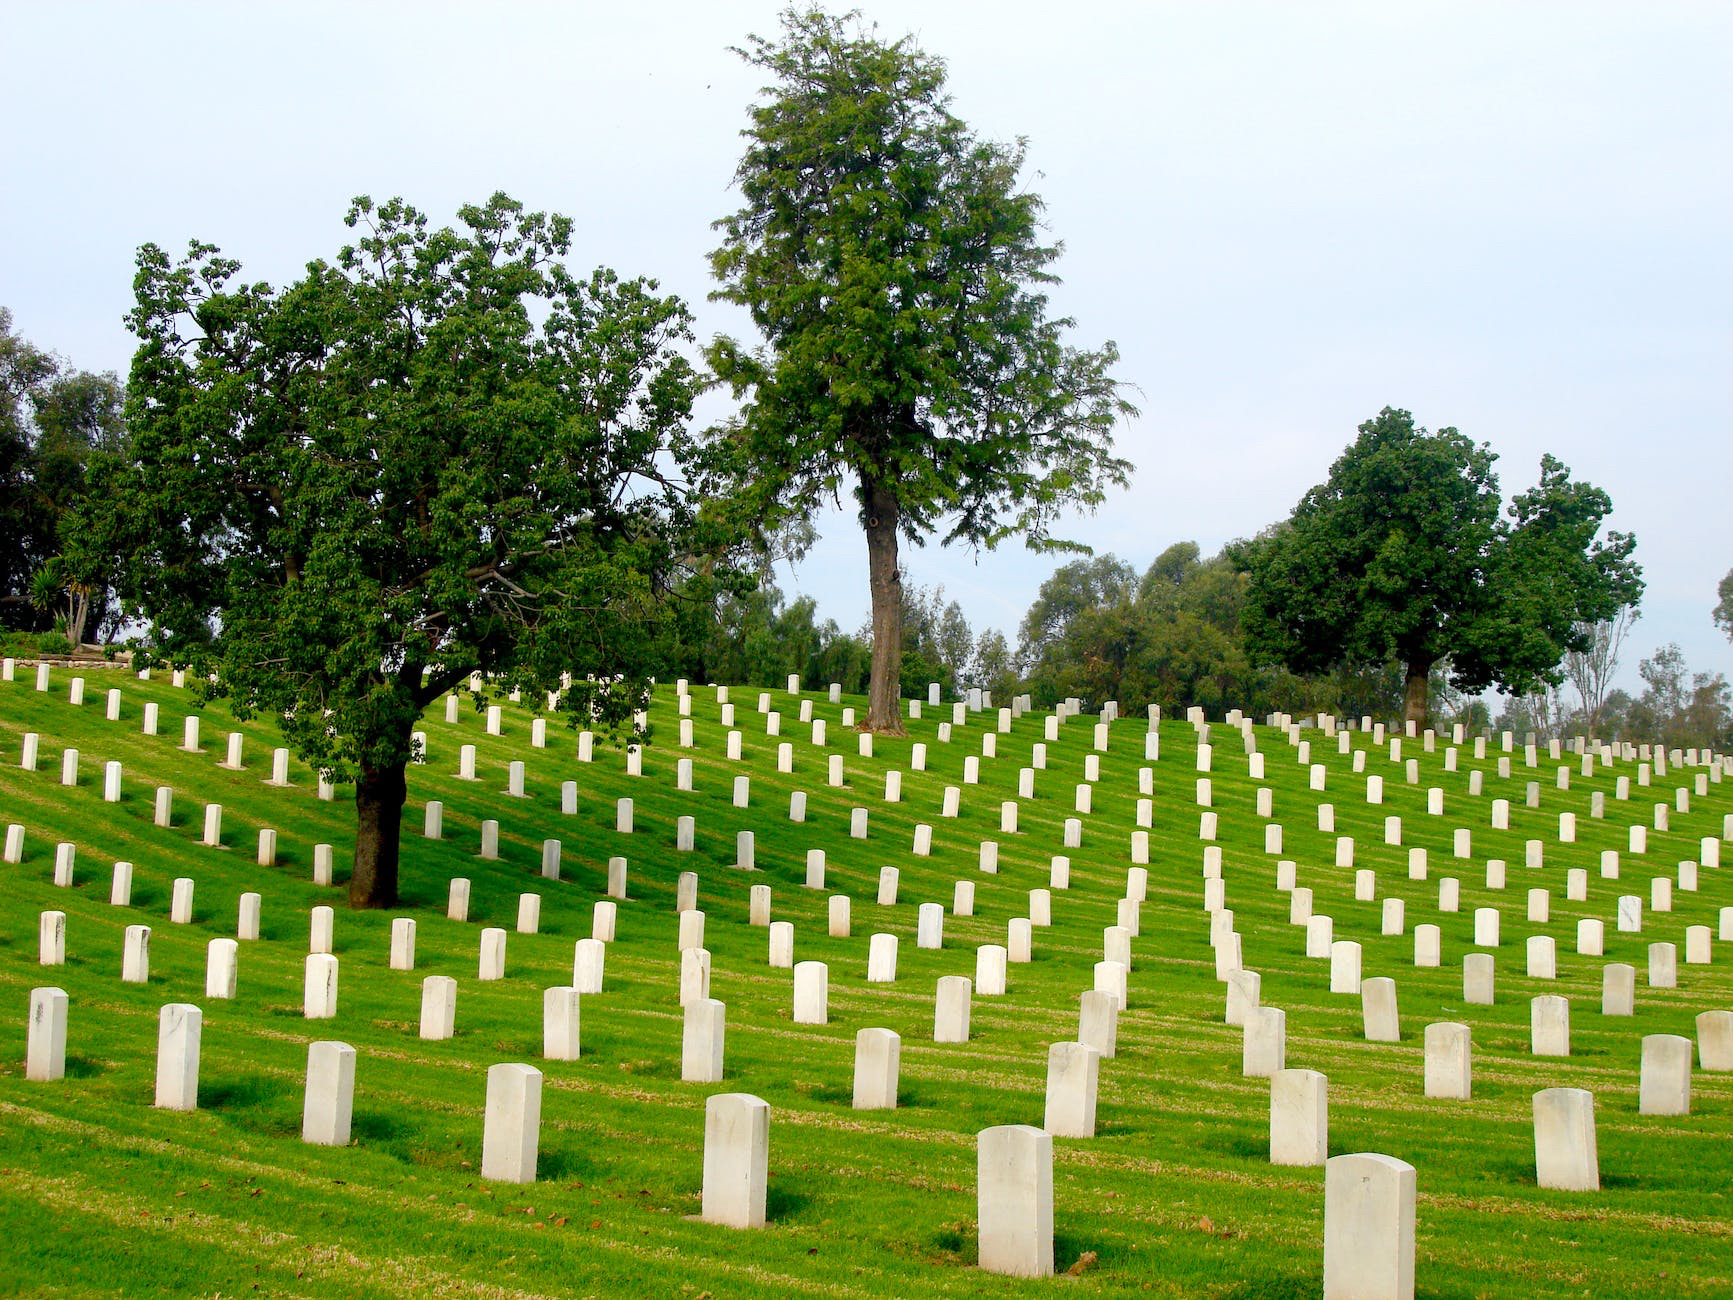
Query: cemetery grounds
point(1175, 1194)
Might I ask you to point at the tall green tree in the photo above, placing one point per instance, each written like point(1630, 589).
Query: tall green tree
point(440, 454)
point(1078, 633)
point(1723, 612)
point(24, 368)
point(1403, 554)
point(54, 423)
point(895, 267)
point(994, 666)
point(1067, 595)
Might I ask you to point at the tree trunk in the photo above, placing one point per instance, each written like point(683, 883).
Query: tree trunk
point(1414, 692)
point(379, 796)
point(884, 691)
point(78, 615)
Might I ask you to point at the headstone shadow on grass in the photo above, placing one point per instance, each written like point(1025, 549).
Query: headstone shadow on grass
point(650, 1067)
point(86, 1067)
point(1494, 1046)
point(1127, 1124)
point(782, 1202)
point(959, 1240)
point(383, 1130)
point(563, 1164)
point(257, 1103)
point(1245, 1145)
point(836, 1094)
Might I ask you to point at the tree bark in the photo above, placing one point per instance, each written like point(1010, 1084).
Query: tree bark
point(79, 614)
point(379, 797)
point(1414, 694)
point(884, 691)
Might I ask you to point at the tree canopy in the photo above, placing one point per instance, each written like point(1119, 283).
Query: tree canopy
point(1723, 614)
point(1403, 555)
point(440, 454)
point(54, 423)
point(894, 266)
point(751, 636)
point(1101, 631)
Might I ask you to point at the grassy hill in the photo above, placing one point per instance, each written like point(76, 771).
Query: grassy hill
point(1174, 1195)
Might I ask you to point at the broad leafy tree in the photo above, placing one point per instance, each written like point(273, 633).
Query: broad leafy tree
point(895, 265)
point(994, 666)
point(54, 423)
point(1404, 555)
point(440, 454)
point(1069, 594)
point(24, 539)
point(1723, 613)
point(752, 637)
point(1101, 632)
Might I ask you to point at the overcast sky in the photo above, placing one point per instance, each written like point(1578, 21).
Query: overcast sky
point(1513, 218)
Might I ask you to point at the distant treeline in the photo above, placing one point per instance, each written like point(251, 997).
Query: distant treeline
point(1098, 630)
point(1170, 635)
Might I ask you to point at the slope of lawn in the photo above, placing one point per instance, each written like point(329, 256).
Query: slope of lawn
point(1174, 1195)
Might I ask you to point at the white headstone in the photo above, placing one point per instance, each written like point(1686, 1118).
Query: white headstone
point(511, 1128)
point(1368, 1228)
point(1073, 1073)
point(561, 1040)
point(330, 1094)
point(1715, 1040)
point(1449, 1061)
point(702, 1041)
point(1014, 1196)
point(1477, 979)
point(135, 955)
point(319, 987)
point(951, 1008)
point(45, 1045)
point(1299, 1117)
point(990, 970)
point(1665, 1083)
point(736, 1159)
point(179, 1025)
point(220, 968)
point(1564, 1140)
point(877, 1061)
point(1378, 1010)
point(1264, 1045)
point(1550, 1026)
point(1097, 1021)
point(180, 901)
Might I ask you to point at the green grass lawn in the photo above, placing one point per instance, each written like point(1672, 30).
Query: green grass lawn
point(1173, 1196)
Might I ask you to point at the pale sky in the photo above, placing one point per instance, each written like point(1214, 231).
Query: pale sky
point(1513, 218)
